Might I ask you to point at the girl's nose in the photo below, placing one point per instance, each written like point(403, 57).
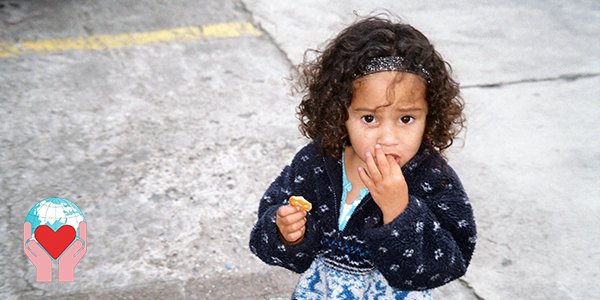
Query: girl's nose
point(388, 136)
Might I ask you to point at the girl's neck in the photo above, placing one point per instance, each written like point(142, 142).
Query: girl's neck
point(352, 161)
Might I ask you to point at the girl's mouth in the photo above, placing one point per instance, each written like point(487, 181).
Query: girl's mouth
point(395, 157)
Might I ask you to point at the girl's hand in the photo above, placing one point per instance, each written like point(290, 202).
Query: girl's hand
point(386, 184)
point(291, 222)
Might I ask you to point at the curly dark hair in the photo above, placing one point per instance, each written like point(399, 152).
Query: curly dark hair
point(326, 82)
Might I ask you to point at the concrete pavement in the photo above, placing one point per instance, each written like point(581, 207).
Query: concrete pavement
point(167, 147)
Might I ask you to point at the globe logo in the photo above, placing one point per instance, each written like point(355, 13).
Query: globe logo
point(55, 230)
point(54, 213)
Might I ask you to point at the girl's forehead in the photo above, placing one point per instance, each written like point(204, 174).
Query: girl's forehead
point(389, 89)
point(388, 78)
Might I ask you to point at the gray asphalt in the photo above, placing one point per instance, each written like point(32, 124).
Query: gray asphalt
point(167, 147)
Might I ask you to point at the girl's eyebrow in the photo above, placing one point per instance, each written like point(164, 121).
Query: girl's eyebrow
point(371, 109)
point(364, 109)
point(410, 109)
point(403, 109)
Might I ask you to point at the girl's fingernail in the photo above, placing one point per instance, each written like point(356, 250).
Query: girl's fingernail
point(377, 146)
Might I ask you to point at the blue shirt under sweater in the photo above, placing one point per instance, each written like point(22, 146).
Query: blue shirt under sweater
point(426, 246)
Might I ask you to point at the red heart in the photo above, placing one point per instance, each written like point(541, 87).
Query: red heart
point(55, 242)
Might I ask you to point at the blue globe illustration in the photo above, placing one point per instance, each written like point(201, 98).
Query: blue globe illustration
point(54, 213)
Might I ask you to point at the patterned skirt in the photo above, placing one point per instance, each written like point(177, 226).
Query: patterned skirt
point(323, 281)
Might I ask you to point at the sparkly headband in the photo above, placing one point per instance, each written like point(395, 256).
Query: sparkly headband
point(392, 63)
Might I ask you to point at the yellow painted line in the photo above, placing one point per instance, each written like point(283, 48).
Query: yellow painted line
point(103, 42)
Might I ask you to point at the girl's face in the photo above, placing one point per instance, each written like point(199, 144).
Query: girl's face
point(389, 109)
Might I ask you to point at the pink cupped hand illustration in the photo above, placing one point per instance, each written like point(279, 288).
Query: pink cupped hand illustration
point(38, 256)
point(71, 257)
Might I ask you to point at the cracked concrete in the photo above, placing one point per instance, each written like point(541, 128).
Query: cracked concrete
point(164, 146)
point(565, 77)
point(470, 288)
point(267, 33)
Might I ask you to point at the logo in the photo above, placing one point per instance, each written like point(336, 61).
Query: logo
point(55, 230)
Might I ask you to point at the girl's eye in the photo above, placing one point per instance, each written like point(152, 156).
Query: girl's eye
point(368, 119)
point(407, 119)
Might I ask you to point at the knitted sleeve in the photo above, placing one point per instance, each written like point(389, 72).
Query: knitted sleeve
point(265, 239)
point(431, 242)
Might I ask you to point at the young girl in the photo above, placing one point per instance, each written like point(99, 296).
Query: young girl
point(390, 217)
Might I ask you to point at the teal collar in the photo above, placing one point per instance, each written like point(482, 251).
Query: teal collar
point(346, 188)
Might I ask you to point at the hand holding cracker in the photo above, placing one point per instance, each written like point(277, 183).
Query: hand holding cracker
point(291, 222)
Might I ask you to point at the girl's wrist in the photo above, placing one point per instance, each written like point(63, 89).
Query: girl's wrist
point(389, 217)
point(288, 243)
point(296, 242)
point(393, 211)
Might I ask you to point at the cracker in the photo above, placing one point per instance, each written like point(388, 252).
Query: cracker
point(299, 201)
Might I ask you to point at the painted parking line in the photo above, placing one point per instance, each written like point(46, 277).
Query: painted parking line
point(123, 40)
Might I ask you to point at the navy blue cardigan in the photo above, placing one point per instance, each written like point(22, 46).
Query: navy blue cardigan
point(427, 245)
